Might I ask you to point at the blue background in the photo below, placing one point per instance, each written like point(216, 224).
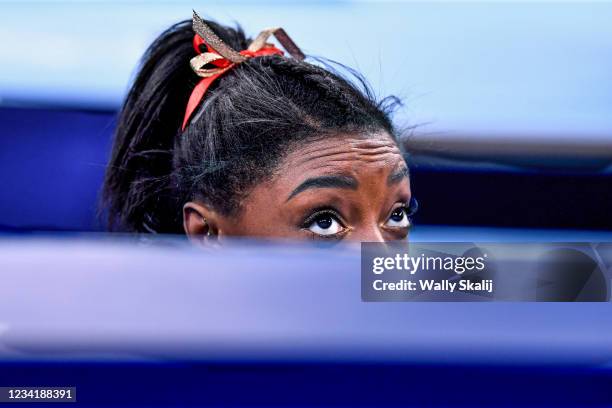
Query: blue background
point(507, 105)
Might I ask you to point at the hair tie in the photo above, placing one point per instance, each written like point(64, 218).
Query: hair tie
point(220, 57)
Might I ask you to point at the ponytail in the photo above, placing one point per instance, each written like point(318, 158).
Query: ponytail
point(139, 190)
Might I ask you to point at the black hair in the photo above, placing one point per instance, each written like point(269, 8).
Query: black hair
point(249, 119)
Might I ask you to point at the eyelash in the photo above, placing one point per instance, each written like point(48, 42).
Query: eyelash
point(318, 212)
point(413, 207)
point(410, 208)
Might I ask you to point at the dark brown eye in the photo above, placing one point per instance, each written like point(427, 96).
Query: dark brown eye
point(324, 224)
point(399, 218)
point(398, 214)
point(325, 221)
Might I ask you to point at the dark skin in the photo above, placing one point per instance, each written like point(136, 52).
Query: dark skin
point(348, 187)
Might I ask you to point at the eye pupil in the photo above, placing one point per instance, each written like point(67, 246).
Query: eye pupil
point(398, 215)
point(325, 222)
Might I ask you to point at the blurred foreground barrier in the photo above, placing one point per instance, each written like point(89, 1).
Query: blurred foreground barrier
point(166, 324)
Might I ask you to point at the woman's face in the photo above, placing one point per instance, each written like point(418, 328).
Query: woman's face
point(349, 187)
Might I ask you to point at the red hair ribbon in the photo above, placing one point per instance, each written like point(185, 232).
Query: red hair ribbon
point(220, 58)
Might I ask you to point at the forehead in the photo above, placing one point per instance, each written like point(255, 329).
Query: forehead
point(354, 172)
point(347, 154)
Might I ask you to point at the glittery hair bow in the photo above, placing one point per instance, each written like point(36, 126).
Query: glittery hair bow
point(220, 57)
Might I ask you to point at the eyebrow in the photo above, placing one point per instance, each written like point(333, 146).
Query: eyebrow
point(335, 181)
point(398, 175)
